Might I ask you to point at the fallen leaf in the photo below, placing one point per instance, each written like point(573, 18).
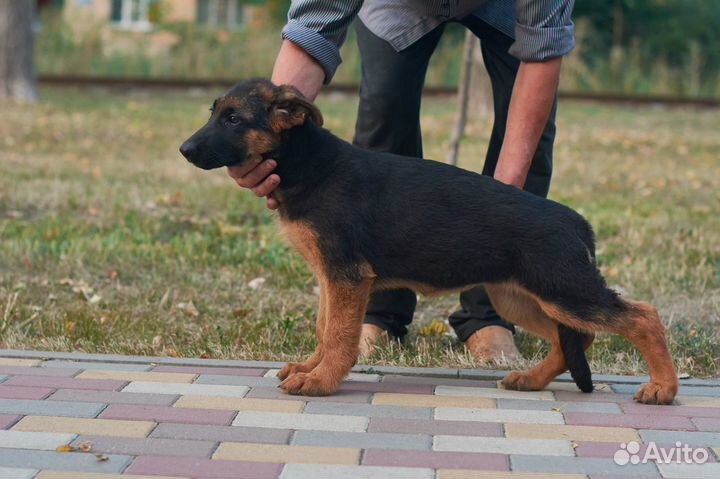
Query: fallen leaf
point(189, 308)
point(256, 283)
point(65, 448)
point(85, 446)
point(101, 457)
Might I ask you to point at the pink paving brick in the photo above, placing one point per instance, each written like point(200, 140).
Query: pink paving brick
point(637, 421)
point(387, 387)
point(205, 468)
point(168, 414)
point(6, 420)
point(432, 427)
point(688, 411)
point(22, 392)
point(66, 383)
point(210, 370)
point(593, 397)
point(354, 397)
point(28, 371)
point(439, 381)
point(607, 449)
point(436, 459)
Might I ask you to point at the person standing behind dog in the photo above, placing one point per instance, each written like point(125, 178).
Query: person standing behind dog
point(522, 41)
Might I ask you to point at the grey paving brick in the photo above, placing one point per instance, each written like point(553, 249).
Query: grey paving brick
point(369, 410)
point(685, 437)
point(17, 473)
point(362, 397)
point(62, 461)
point(118, 358)
point(583, 465)
point(33, 440)
point(684, 390)
point(436, 381)
point(148, 446)
point(95, 365)
point(28, 407)
point(420, 442)
point(690, 471)
point(487, 374)
point(503, 445)
point(319, 471)
point(301, 421)
point(113, 397)
point(225, 380)
point(426, 372)
point(498, 415)
point(221, 433)
point(184, 389)
point(29, 371)
point(560, 406)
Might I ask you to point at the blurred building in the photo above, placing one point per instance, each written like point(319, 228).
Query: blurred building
point(143, 15)
point(121, 23)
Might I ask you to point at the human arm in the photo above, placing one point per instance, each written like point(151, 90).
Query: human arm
point(308, 57)
point(543, 34)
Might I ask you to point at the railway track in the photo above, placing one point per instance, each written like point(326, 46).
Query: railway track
point(170, 83)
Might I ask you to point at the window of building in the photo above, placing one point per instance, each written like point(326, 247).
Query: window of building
point(134, 14)
point(221, 13)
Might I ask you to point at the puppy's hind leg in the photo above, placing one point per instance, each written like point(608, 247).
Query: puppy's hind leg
point(522, 310)
point(640, 324)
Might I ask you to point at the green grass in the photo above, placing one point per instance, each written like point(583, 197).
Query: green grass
point(111, 242)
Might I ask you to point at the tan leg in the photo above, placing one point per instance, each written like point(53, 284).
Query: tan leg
point(641, 325)
point(522, 310)
point(310, 363)
point(346, 310)
point(644, 329)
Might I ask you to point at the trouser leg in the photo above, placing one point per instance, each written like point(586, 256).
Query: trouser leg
point(389, 120)
point(475, 311)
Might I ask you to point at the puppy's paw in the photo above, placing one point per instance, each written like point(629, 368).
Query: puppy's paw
point(308, 384)
point(291, 368)
point(521, 381)
point(656, 393)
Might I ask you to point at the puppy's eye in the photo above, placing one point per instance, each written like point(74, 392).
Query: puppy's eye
point(233, 119)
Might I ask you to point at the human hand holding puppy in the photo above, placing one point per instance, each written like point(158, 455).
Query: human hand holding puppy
point(292, 67)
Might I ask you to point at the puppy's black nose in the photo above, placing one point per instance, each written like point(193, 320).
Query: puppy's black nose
point(188, 149)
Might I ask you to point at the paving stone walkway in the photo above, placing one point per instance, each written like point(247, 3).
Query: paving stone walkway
point(80, 416)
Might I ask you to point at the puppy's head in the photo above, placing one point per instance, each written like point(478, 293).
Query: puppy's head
point(246, 122)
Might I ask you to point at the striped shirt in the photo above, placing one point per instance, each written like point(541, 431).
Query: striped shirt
point(542, 29)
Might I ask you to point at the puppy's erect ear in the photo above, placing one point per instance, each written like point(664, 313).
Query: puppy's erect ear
point(290, 108)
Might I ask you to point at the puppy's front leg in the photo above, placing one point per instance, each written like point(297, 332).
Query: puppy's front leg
point(310, 363)
point(346, 308)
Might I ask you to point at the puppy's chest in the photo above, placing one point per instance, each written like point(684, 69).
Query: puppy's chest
point(304, 239)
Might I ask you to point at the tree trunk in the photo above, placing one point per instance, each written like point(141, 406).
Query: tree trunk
point(17, 71)
point(463, 98)
point(474, 94)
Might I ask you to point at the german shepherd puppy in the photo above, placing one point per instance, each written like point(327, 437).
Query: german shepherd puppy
point(367, 221)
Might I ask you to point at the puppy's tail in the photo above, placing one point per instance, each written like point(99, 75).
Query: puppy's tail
point(572, 344)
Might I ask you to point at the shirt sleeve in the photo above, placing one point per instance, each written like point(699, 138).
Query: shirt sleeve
point(319, 27)
point(543, 30)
